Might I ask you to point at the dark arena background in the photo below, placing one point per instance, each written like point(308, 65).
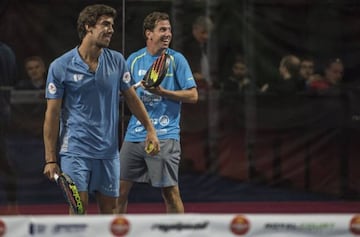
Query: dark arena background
point(270, 151)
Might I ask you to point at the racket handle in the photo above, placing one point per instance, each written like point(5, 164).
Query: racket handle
point(137, 84)
point(56, 176)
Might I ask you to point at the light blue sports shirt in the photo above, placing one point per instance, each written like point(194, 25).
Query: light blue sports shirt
point(90, 108)
point(164, 113)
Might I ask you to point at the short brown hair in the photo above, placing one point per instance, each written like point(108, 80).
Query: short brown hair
point(34, 58)
point(89, 16)
point(151, 20)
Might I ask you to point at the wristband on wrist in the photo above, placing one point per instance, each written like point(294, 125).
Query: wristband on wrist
point(50, 162)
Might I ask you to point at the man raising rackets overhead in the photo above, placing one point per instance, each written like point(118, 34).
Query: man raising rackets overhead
point(83, 96)
point(163, 103)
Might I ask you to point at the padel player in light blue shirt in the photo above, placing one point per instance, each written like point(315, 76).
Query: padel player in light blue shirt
point(163, 104)
point(164, 112)
point(90, 111)
point(83, 88)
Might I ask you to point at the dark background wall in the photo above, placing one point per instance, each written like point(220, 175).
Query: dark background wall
point(265, 29)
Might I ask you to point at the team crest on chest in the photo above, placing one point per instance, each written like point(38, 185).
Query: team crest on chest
point(164, 120)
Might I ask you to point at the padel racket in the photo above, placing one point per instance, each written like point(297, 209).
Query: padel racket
point(70, 192)
point(156, 73)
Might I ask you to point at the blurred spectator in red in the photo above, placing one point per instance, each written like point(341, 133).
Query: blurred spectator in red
point(332, 76)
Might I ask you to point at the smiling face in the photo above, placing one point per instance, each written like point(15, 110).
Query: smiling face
point(159, 38)
point(101, 32)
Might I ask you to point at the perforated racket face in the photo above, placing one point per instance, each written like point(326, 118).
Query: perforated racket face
point(71, 193)
point(157, 72)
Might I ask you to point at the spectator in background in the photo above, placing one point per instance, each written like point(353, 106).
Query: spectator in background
point(35, 80)
point(331, 77)
point(289, 82)
point(8, 66)
point(196, 49)
point(8, 72)
point(35, 72)
point(239, 80)
point(307, 69)
point(233, 90)
point(199, 120)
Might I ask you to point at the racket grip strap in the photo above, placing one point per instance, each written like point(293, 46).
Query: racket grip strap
point(137, 85)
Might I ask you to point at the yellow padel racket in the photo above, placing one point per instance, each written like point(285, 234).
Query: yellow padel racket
point(70, 192)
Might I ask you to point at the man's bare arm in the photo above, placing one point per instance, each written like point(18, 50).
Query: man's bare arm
point(51, 133)
point(137, 108)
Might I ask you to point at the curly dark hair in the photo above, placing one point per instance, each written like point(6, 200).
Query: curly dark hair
point(89, 16)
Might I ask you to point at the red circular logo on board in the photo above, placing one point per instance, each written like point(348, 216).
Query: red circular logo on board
point(240, 225)
point(355, 225)
point(2, 228)
point(120, 226)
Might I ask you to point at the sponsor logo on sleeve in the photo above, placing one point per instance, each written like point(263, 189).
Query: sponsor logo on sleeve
point(126, 77)
point(52, 88)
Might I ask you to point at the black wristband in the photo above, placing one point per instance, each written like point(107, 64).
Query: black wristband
point(50, 162)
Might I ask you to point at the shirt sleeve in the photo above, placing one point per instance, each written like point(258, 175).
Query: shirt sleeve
point(54, 84)
point(127, 80)
point(183, 72)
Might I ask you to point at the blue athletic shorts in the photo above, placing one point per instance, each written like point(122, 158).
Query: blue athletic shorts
point(91, 175)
